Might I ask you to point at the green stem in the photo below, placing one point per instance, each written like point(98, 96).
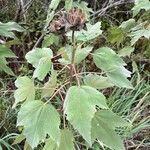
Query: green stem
point(74, 49)
point(72, 66)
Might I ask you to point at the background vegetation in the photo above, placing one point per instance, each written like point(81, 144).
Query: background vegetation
point(126, 29)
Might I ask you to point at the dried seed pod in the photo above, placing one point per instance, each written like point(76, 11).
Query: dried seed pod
point(74, 19)
point(57, 26)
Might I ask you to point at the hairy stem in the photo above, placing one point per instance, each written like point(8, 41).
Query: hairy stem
point(72, 66)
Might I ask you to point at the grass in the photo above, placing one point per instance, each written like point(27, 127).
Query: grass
point(7, 115)
point(134, 106)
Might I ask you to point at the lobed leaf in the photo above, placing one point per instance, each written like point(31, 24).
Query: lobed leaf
point(49, 144)
point(80, 54)
point(92, 32)
point(66, 140)
point(126, 51)
point(128, 25)
point(25, 91)
point(137, 34)
point(50, 86)
point(49, 40)
point(107, 60)
point(104, 132)
point(98, 82)
point(139, 5)
point(78, 103)
point(39, 119)
point(40, 58)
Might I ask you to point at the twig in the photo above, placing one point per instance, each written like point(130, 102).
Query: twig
point(38, 41)
point(76, 75)
point(102, 11)
point(18, 12)
point(66, 66)
point(23, 10)
point(57, 92)
point(27, 5)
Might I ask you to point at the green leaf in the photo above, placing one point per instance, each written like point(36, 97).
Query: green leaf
point(49, 145)
point(27, 146)
point(49, 18)
point(25, 91)
point(98, 82)
point(137, 34)
point(102, 131)
point(50, 86)
point(11, 26)
point(78, 103)
point(6, 52)
point(114, 119)
point(119, 79)
point(66, 54)
point(49, 40)
point(107, 60)
point(6, 33)
point(128, 25)
point(43, 68)
point(68, 4)
point(139, 5)
point(7, 28)
point(126, 51)
point(66, 141)
point(40, 58)
point(18, 139)
point(92, 32)
point(39, 119)
point(116, 35)
point(4, 67)
point(80, 54)
point(54, 4)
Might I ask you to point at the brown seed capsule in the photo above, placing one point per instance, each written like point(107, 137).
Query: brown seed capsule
point(57, 26)
point(74, 19)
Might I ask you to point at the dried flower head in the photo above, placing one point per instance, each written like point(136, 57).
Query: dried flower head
point(74, 19)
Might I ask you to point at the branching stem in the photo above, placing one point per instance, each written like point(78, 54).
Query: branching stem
point(57, 91)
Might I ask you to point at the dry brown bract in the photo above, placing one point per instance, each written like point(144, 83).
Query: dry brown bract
point(74, 19)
